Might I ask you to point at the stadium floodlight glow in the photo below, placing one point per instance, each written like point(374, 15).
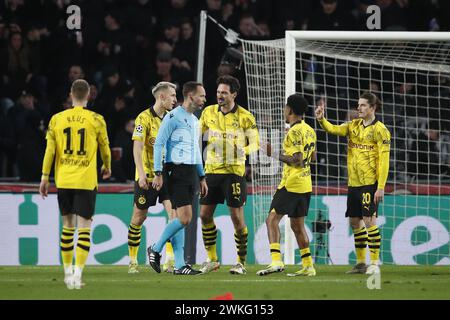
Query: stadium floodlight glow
point(410, 72)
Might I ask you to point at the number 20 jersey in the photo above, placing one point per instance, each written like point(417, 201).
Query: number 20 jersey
point(300, 138)
point(77, 133)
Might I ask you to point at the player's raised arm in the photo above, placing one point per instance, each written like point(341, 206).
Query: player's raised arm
point(339, 130)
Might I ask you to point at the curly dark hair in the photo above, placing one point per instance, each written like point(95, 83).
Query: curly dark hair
point(231, 81)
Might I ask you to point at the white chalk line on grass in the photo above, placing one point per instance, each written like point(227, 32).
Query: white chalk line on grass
point(184, 280)
point(265, 280)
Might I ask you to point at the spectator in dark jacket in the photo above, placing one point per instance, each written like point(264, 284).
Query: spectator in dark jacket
point(16, 65)
point(115, 46)
point(7, 145)
point(29, 128)
point(122, 153)
point(185, 49)
point(330, 17)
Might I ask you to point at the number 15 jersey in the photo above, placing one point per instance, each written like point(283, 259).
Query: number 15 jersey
point(300, 138)
point(73, 136)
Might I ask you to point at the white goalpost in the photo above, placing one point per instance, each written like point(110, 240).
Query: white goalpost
point(410, 72)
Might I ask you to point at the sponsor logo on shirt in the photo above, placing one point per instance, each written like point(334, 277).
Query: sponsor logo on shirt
point(351, 144)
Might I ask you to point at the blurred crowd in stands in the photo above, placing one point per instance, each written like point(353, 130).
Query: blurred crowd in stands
point(125, 47)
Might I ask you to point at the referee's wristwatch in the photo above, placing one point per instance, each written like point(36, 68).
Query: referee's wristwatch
point(158, 173)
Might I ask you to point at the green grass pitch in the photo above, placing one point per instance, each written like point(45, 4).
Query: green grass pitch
point(331, 282)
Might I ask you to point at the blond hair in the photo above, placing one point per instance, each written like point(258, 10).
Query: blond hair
point(163, 85)
point(80, 89)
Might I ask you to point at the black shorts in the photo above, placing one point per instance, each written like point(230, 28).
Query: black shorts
point(360, 201)
point(180, 181)
point(293, 204)
point(147, 198)
point(231, 187)
point(77, 201)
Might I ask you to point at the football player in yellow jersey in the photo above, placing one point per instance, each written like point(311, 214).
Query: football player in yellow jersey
point(294, 191)
point(368, 167)
point(73, 137)
point(146, 128)
point(231, 135)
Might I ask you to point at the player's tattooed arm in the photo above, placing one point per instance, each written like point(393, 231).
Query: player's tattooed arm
point(295, 160)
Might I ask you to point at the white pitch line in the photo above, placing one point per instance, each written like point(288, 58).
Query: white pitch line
point(182, 280)
point(265, 280)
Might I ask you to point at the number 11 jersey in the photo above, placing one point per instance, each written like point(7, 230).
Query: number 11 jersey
point(74, 136)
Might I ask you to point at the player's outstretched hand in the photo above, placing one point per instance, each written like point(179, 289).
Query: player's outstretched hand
point(106, 173)
point(43, 188)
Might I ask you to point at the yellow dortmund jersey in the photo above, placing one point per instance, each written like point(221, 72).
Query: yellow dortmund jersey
point(300, 138)
point(368, 151)
point(230, 138)
point(146, 128)
point(74, 136)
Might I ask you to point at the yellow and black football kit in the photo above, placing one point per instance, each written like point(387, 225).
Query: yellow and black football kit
point(73, 137)
point(146, 128)
point(230, 137)
point(367, 161)
point(294, 191)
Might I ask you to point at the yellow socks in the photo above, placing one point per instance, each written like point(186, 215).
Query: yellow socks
point(134, 239)
point(169, 249)
point(360, 236)
point(209, 233)
point(305, 254)
point(374, 244)
point(83, 246)
point(241, 237)
point(66, 246)
point(275, 252)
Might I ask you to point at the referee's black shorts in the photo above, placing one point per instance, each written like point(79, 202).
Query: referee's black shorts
point(360, 201)
point(77, 201)
point(293, 204)
point(181, 182)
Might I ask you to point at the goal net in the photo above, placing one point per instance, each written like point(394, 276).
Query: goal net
point(410, 73)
